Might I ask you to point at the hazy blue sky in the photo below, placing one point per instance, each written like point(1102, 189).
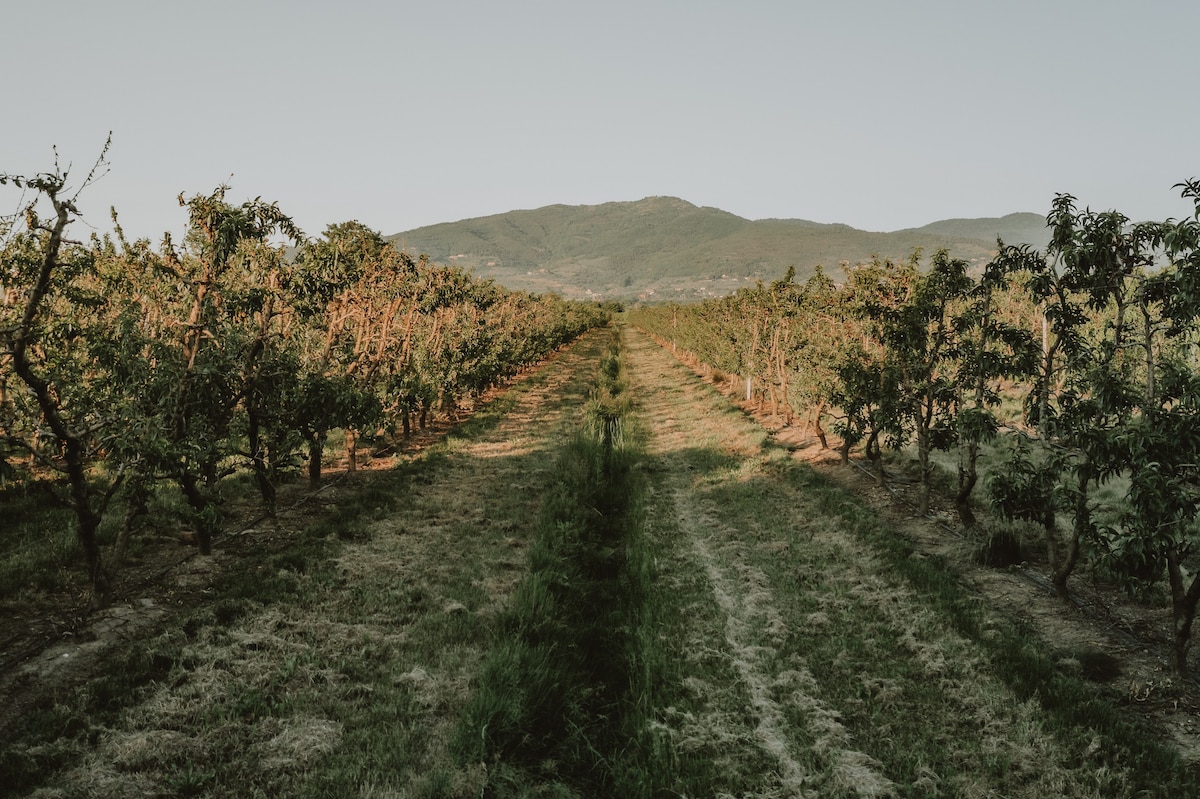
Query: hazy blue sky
point(879, 114)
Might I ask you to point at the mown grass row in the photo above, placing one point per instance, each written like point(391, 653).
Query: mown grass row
point(882, 651)
point(1075, 709)
point(565, 696)
point(67, 722)
point(61, 724)
point(1117, 754)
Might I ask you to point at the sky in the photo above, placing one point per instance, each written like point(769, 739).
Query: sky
point(878, 114)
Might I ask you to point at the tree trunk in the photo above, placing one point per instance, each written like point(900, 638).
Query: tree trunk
point(258, 461)
point(874, 454)
point(86, 518)
point(968, 476)
point(91, 550)
point(351, 450)
point(782, 372)
point(926, 472)
point(137, 496)
point(1064, 570)
point(1184, 599)
point(203, 518)
point(316, 447)
point(816, 425)
point(1062, 567)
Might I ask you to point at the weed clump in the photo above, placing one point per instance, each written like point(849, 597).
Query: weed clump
point(1001, 545)
point(1097, 666)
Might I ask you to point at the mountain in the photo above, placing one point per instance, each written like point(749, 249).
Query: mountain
point(1022, 228)
point(663, 248)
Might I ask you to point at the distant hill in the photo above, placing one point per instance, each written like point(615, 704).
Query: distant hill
point(666, 248)
point(1023, 228)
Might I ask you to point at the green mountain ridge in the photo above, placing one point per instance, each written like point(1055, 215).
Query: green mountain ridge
point(665, 248)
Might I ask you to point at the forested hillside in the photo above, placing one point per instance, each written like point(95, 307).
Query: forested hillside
point(666, 248)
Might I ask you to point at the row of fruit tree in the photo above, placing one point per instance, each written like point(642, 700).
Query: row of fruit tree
point(1079, 365)
point(126, 366)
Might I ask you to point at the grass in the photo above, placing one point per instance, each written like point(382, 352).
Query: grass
point(40, 549)
point(805, 621)
point(336, 659)
point(635, 595)
point(1071, 707)
point(563, 698)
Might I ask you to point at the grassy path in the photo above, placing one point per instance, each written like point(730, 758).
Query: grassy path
point(763, 635)
point(340, 666)
point(806, 664)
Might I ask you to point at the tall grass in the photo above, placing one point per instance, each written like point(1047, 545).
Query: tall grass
point(565, 695)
